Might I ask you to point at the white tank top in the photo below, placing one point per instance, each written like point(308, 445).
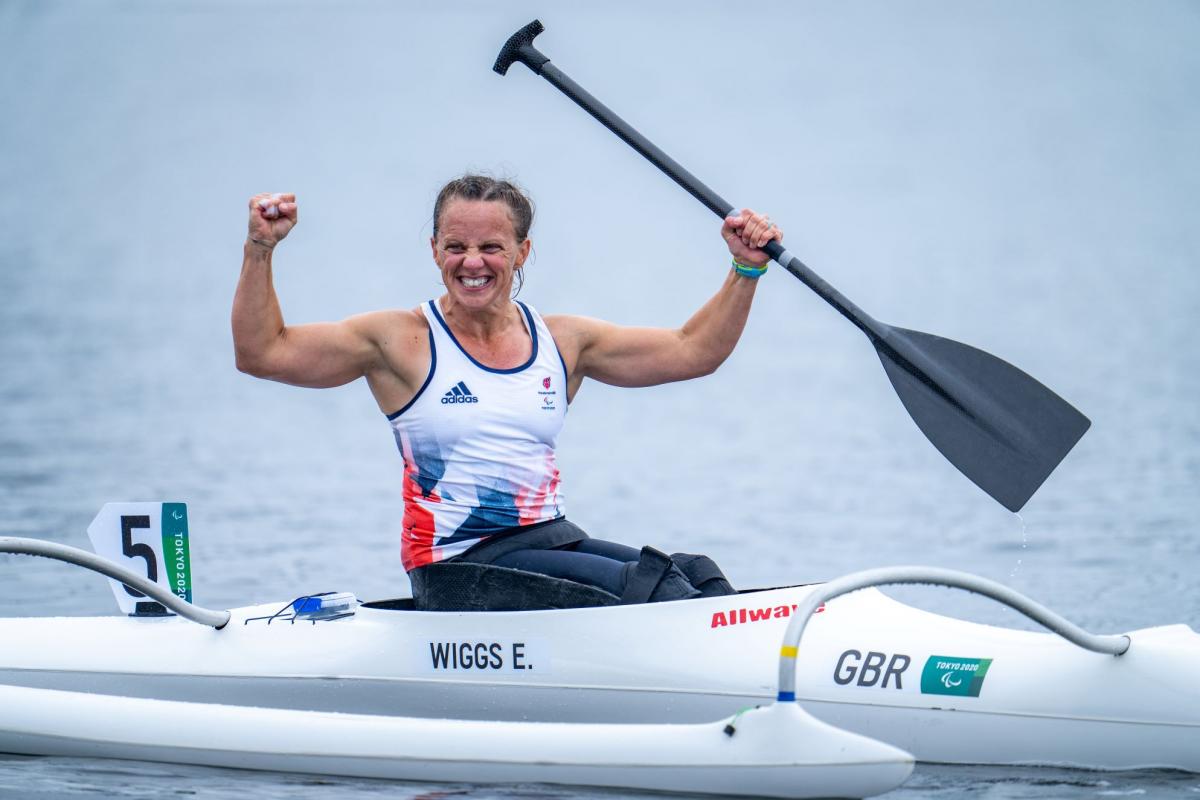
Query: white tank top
point(478, 444)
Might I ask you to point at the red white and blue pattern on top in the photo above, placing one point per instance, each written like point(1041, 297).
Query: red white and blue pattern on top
point(479, 444)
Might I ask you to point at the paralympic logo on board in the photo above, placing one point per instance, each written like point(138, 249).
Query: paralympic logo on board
point(954, 675)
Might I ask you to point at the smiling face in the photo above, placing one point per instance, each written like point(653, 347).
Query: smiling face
point(477, 251)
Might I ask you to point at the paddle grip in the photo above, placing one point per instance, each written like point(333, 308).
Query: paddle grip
point(519, 47)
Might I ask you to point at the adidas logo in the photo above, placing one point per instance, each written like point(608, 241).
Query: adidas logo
point(459, 394)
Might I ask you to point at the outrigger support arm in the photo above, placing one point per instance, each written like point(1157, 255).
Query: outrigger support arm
point(82, 558)
point(886, 576)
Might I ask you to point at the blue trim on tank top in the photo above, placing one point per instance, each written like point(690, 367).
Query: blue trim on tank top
point(532, 334)
point(566, 378)
point(428, 378)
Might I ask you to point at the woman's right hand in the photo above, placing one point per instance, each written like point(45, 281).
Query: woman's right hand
point(272, 217)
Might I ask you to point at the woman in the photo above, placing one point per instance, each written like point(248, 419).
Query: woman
point(476, 384)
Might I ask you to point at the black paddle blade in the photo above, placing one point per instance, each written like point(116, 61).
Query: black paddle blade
point(999, 426)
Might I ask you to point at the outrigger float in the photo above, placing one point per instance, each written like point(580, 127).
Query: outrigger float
point(691, 696)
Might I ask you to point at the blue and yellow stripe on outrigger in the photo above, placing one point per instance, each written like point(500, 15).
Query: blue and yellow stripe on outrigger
point(787, 651)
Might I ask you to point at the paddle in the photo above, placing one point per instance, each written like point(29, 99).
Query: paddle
point(999, 426)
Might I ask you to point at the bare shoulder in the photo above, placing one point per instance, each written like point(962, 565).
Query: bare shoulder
point(400, 337)
point(573, 331)
point(390, 325)
point(401, 340)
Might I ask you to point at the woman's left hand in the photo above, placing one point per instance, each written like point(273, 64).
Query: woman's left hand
point(746, 233)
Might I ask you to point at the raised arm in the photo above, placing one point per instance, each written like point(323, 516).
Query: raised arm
point(317, 355)
point(624, 356)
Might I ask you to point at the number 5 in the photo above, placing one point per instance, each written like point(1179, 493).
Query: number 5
point(138, 549)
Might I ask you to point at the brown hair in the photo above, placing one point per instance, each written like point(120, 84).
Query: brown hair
point(486, 188)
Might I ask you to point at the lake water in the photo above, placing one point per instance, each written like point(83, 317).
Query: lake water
point(1019, 177)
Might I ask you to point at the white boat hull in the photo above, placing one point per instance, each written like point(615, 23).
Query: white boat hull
point(943, 689)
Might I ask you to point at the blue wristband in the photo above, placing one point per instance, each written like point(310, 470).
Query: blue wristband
point(750, 272)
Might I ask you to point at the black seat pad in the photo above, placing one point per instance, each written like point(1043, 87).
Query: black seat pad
point(466, 586)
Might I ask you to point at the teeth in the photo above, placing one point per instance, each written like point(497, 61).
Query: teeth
point(475, 283)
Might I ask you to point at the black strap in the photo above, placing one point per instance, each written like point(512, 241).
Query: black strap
point(542, 536)
point(703, 573)
point(643, 579)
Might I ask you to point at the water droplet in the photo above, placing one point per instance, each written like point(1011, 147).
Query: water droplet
point(1024, 544)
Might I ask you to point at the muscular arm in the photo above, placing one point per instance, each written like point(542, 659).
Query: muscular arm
point(318, 355)
point(624, 356)
point(385, 346)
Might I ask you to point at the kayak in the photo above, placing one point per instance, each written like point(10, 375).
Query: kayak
point(943, 689)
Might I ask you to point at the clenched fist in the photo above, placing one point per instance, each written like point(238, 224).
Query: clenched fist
point(272, 217)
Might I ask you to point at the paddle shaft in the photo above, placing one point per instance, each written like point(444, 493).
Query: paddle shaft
point(520, 48)
point(1002, 428)
point(697, 189)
